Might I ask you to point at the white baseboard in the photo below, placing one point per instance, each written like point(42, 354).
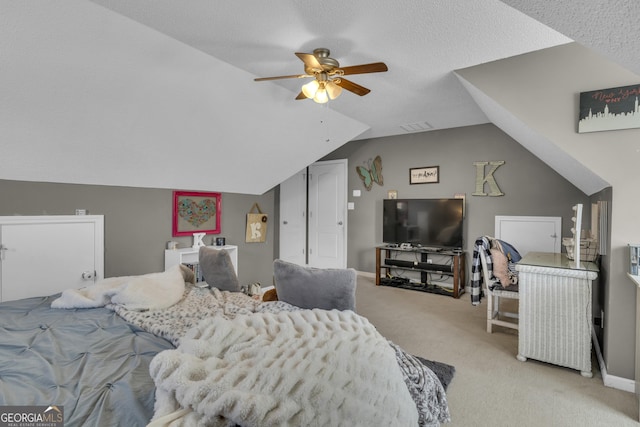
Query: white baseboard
point(612, 381)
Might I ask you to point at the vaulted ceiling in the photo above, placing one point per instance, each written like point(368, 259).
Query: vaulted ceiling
point(160, 93)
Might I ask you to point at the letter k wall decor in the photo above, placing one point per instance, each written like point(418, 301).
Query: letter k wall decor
point(489, 179)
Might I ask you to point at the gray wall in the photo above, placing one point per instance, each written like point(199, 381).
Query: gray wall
point(542, 89)
point(138, 223)
point(530, 187)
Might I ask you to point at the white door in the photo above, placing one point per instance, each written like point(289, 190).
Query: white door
point(39, 259)
point(530, 233)
point(293, 219)
point(328, 214)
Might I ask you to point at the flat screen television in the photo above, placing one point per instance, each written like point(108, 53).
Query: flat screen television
point(435, 223)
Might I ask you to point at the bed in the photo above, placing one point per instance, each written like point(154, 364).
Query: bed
point(215, 357)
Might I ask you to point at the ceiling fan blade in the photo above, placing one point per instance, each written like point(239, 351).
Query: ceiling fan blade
point(294, 76)
point(301, 95)
point(376, 67)
point(309, 59)
point(352, 87)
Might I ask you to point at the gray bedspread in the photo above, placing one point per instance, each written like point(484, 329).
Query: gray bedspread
point(95, 362)
point(90, 361)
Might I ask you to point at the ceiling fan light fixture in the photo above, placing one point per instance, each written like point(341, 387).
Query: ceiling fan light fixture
point(333, 90)
point(328, 79)
point(310, 89)
point(321, 95)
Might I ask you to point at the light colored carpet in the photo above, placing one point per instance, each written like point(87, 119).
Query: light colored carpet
point(490, 387)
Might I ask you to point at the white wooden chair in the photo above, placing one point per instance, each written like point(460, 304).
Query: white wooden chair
point(494, 315)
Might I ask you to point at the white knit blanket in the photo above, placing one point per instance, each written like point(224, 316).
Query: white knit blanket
point(300, 368)
point(145, 292)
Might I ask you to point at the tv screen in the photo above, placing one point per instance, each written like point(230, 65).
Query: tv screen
point(433, 223)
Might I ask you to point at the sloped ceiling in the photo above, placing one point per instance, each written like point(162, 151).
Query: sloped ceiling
point(563, 163)
point(160, 93)
point(94, 98)
point(607, 28)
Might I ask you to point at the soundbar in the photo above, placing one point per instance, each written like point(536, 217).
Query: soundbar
point(400, 263)
point(418, 265)
point(434, 267)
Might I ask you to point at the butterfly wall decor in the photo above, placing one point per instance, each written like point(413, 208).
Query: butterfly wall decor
point(372, 174)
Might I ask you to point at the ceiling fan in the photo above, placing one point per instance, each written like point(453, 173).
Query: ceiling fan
point(328, 75)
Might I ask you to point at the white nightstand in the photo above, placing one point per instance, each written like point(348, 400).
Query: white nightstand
point(190, 256)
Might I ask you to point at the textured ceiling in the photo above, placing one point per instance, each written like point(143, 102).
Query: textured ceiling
point(420, 41)
point(160, 93)
point(607, 27)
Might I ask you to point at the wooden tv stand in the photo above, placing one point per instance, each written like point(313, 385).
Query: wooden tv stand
point(426, 262)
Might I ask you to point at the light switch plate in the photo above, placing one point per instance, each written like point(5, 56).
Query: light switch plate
point(356, 193)
point(351, 206)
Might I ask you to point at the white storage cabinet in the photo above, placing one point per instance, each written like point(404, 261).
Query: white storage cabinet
point(190, 256)
point(44, 255)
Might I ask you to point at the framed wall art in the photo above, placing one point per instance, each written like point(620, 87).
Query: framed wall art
point(196, 212)
point(609, 109)
point(425, 175)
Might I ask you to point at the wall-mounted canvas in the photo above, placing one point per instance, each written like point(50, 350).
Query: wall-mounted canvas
point(196, 212)
point(426, 175)
point(609, 109)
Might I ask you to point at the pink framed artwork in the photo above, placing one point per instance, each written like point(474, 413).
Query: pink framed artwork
point(196, 212)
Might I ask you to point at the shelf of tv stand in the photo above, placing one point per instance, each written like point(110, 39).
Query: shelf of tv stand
point(456, 268)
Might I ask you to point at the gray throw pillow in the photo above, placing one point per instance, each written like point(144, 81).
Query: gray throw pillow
point(307, 287)
point(217, 269)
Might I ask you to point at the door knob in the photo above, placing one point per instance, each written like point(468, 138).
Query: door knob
point(285, 222)
point(88, 275)
point(339, 222)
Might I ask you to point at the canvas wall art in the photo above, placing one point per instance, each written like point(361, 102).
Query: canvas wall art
point(609, 109)
point(425, 175)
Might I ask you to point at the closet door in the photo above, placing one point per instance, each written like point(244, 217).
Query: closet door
point(45, 255)
point(328, 214)
point(530, 233)
point(313, 216)
point(293, 219)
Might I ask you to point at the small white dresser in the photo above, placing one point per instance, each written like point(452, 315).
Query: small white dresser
point(190, 256)
point(555, 315)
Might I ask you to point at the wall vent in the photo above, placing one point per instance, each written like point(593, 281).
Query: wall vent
point(416, 127)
